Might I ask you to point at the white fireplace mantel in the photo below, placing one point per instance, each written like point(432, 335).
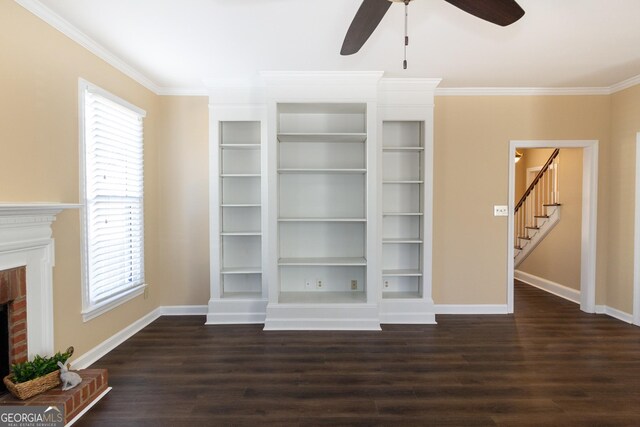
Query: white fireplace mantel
point(26, 240)
point(40, 209)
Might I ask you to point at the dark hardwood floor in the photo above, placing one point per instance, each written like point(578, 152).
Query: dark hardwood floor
point(547, 365)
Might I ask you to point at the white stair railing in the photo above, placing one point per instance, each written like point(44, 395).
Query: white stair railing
point(532, 209)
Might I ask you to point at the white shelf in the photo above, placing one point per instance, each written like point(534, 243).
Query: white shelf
point(402, 214)
point(403, 173)
point(322, 205)
point(322, 219)
point(323, 261)
point(241, 233)
point(241, 205)
point(401, 295)
point(241, 146)
point(401, 149)
point(402, 273)
point(323, 171)
point(321, 297)
point(242, 270)
point(401, 240)
point(322, 137)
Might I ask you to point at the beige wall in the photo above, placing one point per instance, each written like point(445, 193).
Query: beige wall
point(557, 257)
point(472, 137)
point(183, 262)
point(625, 123)
point(39, 70)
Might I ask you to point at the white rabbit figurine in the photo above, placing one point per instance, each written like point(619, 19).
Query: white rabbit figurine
point(69, 379)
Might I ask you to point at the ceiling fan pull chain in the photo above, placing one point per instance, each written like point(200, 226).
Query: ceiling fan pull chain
point(406, 32)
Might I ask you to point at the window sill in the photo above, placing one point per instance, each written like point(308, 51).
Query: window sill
point(107, 305)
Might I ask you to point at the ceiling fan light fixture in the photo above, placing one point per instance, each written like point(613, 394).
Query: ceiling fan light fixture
point(371, 12)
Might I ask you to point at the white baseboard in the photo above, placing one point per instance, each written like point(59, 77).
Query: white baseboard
point(569, 294)
point(87, 359)
point(615, 313)
point(183, 310)
point(471, 309)
point(554, 288)
point(99, 351)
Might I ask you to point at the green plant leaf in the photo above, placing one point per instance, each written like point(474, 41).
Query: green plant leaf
point(38, 367)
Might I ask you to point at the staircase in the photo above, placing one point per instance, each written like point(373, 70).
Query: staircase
point(538, 211)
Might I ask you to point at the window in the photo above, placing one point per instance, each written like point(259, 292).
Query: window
point(111, 135)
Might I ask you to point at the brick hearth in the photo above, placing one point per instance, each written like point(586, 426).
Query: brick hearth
point(94, 382)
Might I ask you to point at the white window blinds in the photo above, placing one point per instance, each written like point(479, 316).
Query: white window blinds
point(113, 147)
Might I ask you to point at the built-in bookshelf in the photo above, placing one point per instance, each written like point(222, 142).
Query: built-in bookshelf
point(240, 207)
point(403, 212)
point(321, 201)
point(322, 220)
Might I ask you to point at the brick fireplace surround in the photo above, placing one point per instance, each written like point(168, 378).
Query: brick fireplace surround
point(13, 291)
point(26, 286)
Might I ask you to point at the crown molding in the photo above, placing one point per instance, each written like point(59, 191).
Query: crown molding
point(56, 21)
point(66, 28)
point(521, 91)
point(169, 91)
point(625, 84)
point(288, 78)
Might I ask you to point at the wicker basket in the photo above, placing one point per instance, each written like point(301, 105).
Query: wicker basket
point(30, 388)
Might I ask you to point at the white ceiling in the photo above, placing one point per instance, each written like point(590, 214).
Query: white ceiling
point(179, 44)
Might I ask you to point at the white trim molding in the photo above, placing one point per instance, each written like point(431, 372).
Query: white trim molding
point(589, 215)
point(570, 294)
point(26, 241)
point(97, 352)
point(65, 27)
point(102, 349)
point(615, 313)
point(471, 309)
point(105, 306)
point(522, 91)
point(554, 288)
point(183, 310)
point(625, 84)
point(636, 240)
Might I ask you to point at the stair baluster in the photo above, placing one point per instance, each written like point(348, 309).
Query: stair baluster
point(541, 194)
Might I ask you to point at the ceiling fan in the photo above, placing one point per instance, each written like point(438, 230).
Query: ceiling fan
point(371, 12)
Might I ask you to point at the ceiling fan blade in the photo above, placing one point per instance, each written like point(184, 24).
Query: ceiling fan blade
point(499, 12)
point(366, 20)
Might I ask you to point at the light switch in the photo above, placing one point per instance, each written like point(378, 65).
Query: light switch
point(500, 210)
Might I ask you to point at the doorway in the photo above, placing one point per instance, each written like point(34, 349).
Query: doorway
point(589, 212)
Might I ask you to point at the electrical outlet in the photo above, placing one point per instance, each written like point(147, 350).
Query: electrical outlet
point(354, 285)
point(386, 283)
point(319, 284)
point(307, 284)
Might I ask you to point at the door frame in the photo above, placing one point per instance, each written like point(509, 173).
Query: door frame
point(636, 240)
point(589, 216)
